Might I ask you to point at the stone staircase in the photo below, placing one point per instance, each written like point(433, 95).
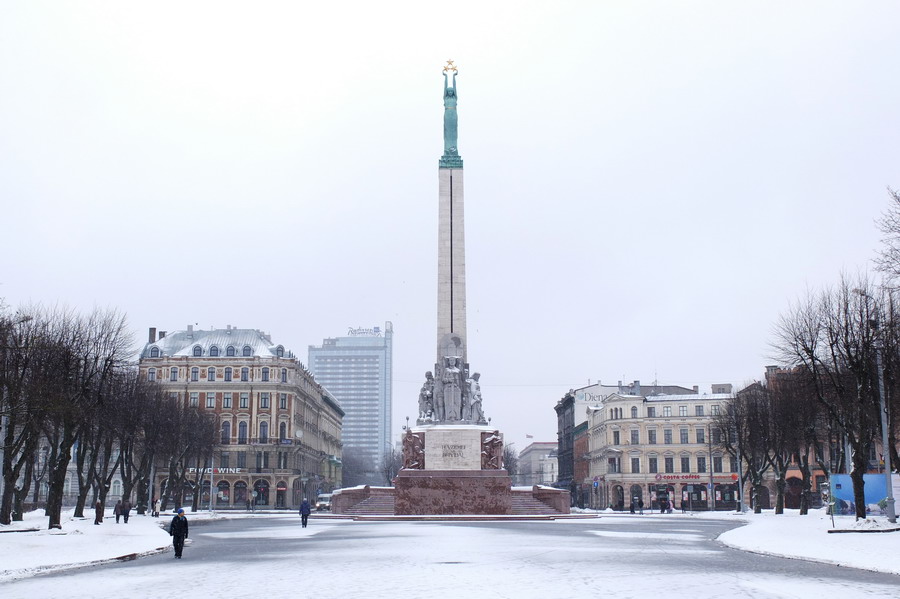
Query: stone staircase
point(525, 505)
point(376, 505)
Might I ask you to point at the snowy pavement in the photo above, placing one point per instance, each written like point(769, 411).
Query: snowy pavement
point(634, 555)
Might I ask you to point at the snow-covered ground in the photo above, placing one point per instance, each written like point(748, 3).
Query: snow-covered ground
point(80, 542)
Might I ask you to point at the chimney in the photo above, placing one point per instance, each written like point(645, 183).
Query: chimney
point(190, 331)
point(697, 389)
point(637, 387)
point(162, 335)
point(228, 329)
point(152, 334)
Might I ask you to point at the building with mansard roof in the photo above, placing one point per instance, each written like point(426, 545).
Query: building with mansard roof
point(279, 430)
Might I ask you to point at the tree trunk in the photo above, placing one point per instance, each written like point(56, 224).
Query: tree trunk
point(805, 483)
point(856, 475)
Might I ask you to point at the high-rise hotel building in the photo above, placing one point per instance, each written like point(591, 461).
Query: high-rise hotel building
point(357, 370)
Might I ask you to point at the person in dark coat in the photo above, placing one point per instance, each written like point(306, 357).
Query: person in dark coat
point(118, 510)
point(178, 530)
point(98, 512)
point(126, 510)
point(305, 510)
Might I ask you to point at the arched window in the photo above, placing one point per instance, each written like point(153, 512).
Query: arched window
point(226, 433)
point(228, 373)
point(279, 351)
point(229, 351)
point(282, 431)
point(154, 352)
point(263, 432)
point(116, 488)
point(265, 374)
point(634, 411)
point(284, 375)
point(242, 433)
point(195, 374)
point(248, 351)
point(151, 374)
point(198, 351)
point(173, 374)
point(214, 351)
point(210, 374)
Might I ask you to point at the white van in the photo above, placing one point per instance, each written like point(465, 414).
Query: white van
point(323, 502)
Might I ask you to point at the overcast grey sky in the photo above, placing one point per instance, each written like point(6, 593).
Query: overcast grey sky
point(648, 184)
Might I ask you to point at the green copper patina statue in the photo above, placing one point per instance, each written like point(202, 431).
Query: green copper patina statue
point(451, 158)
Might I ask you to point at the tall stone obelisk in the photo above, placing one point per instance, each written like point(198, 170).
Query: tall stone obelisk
point(451, 322)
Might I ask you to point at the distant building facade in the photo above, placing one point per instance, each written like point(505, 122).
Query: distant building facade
point(537, 464)
point(358, 370)
point(279, 430)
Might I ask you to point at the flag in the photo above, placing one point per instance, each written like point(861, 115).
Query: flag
point(529, 436)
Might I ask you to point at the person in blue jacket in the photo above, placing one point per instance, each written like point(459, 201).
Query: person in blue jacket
point(305, 510)
point(178, 530)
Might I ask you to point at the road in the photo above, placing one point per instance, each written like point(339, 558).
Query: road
point(620, 556)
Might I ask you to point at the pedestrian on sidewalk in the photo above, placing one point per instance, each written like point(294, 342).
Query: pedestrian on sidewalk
point(126, 510)
point(305, 510)
point(98, 512)
point(156, 507)
point(178, 530)
point(118, 510)
point(641, 506)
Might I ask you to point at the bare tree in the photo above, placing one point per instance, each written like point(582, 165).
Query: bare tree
point(511, 460)
point(888, 260)
point(391, 462)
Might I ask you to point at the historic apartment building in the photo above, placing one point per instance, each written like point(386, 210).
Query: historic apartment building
point(661, 447)
point(279, 430)
point(538, 464)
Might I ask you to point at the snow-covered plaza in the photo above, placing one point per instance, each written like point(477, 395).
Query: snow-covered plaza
point(696, 555)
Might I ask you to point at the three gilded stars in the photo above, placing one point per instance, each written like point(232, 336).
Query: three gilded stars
point(450, 66)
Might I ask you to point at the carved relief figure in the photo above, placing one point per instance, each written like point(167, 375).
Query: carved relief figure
point(491, 451)
point(413, 450)
point(452, 389)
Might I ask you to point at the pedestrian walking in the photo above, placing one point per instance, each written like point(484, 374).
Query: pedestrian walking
point(98, 512)
point(632, 505)
point(305, 510)
point(118, 510)
point(126, 510)
point(178, 530)
point(156, 506)
point(641, 506)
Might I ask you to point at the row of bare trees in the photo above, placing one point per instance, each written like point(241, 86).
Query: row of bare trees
point(71, 400)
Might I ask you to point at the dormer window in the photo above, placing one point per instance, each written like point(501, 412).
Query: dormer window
point(214, 351)
point(279, 351)
point(198, 351)
point(248, 351)
point(229, 351)
point(154, 352)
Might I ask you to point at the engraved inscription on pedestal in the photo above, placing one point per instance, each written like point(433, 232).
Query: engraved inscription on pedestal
point(453, 449)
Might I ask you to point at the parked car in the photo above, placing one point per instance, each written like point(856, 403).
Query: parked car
point(323, 502)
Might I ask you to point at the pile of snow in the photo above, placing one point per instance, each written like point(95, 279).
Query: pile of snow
point(870, 524)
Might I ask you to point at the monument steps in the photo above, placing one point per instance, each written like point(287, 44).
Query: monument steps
point(377, 505)
point(522, 505)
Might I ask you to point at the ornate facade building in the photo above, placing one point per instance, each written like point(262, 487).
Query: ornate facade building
point(279, 430)
point(662, 447)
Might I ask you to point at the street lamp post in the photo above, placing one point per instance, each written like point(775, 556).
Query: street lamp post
point(885, 448)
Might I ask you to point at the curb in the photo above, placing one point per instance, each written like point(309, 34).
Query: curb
point(856, 531)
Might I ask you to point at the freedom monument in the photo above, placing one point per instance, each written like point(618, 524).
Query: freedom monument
point(452, 457)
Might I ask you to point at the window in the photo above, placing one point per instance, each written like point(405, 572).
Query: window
point(685, 463)
point(265, 456)
point(652, 465)
point(634, 411)
point(635, 437)
point(263, 432)
point(225, 460)
point(279, 351)
point(173, 374)
point(682, 411)
point(612, 465)
point(651, 412)
point(198, 351)
point(226, 433)
point(698, 410)
point(284, 375)
point(242, 459)
point(245, 374)
point(228, 374)
point(242, 433)
point(734, 464)
point(210, 374)
point(667, 411)
point(684, 435)
point(635, 465)
point(651, 436)
point(701, 435)
point(154, 352)
point(229, 351)
point(264, 400)
point(214, 351)
point(195, 399)
point(282, 402)
point(717, 463)
point(173, 395)
point(615, 438)
point(245, 400)
point(667, 436)
point(226, 400)
point(265, 375)
point(715, 410)
point(282, 431)
point(247, 351)
point(670, 465)
point(195, 374)
point(151, 374)
point(716, 436)
point(701, 464)
point(210, 400)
